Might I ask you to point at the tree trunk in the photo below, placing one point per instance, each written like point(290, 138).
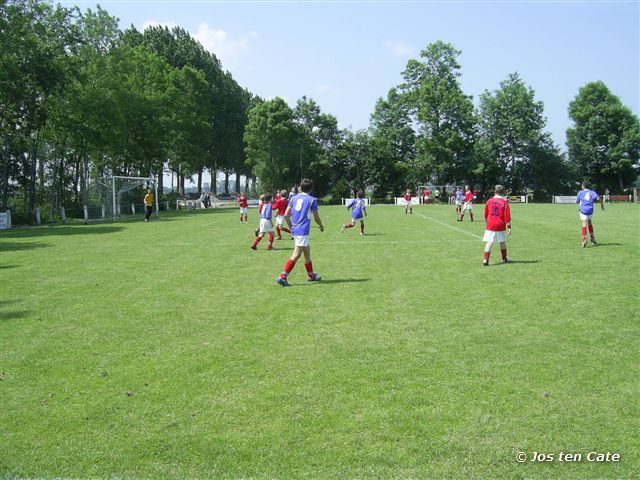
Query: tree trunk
point(226, 183)
point(237, 182)
point(32, 183)
point(181, 184)
point(5, 176)
point(160, 174)
point(200, 181)
point(246, 184)
point(214, 181)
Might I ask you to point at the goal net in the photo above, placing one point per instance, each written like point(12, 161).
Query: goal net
point(118, 196)
point(426, 193)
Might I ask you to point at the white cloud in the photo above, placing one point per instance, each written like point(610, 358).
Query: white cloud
point(398, 48)
point(155, 23)
point(224, 47)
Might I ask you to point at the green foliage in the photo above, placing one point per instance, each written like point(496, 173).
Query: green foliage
point(393, 142)
point(273, 146)
point(515, 151)
point(443, 113)
point(604, 144)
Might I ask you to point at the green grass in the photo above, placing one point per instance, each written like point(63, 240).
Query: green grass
point(166, 350)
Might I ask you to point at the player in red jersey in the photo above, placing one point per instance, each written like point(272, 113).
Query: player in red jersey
point(498, 216)
point(243, 203)
point(468, 203)
point(425, 196)
point(280, 205)
point(407, 198)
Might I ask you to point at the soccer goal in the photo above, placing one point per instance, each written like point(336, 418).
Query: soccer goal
point(117, 196)
point(445, 193)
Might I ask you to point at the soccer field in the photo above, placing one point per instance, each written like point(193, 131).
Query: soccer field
point(167, 350)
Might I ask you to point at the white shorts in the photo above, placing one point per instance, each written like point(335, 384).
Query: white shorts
point(584, 217)
point(458, 202)
point(491, 236)
point(280, 220)
point(301, 240)
point(243, 210)
point(468, 206)
point(354, 220)
point(265, 225)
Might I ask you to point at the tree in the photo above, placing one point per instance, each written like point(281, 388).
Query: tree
point(443, 113)
point(512, 124)
point(319, 137)
point(393, 145)
point(37, 42)
point(272, 141)
point(604, 144)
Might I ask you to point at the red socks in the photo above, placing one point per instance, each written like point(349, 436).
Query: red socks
point(349, 225)
point(584, 233)
point(309, 267)
point(487, 255)
point(256, 242)
point(287, 268)
point(591, 230)
point(278, 232)
point(504, 254)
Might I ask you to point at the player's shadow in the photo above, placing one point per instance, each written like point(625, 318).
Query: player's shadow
point(608, 245)
point(522, 261)
point(345, 280)
point(374, 234)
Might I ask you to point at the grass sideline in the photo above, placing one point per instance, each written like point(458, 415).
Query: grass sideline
point(166, 350)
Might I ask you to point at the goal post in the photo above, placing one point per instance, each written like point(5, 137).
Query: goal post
point(445, 192)
point(117, 195)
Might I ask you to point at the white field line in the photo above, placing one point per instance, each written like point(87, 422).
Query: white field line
point(355, 241)
point(451, 227)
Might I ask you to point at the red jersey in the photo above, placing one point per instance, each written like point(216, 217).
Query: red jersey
point(497, 214)
point(242, 201)
point(277, 197)
point(407, 197)
point(468, 197)
point(280, 205)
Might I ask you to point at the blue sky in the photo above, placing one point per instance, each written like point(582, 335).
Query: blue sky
point(345, 55)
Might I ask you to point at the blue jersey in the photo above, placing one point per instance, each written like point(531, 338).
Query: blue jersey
point(459, 196)
point(267, 211)
point(358, 205)
point(586, 198)
point(302, 207)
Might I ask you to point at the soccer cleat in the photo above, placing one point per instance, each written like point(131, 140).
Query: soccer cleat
point(485, 263)
point(282, 281)
point(269, 247)
point(279, 238)
point(593, 240)
point(506, 260)
point(314, 277)
point(253, 247)
point(584, 243)
point(361, 233)
point(343, 228)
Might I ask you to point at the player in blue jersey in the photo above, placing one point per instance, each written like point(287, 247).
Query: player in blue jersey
point(266, 226)
point(358, 211)
point(300, 210)
point(585, 199)
point(459, 199)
